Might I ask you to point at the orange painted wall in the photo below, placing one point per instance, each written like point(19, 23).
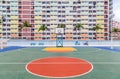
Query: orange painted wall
point(84, 35)
point(14, 35)
point(52, 35)
point(38, 35)
point(100, 35)
point(52, 38)
point(37, 38)
point(100, 39)
point(84, 38)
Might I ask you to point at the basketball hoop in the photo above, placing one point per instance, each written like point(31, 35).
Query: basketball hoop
point(59, 37)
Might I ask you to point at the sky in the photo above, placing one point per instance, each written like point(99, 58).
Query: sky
point(116, 9)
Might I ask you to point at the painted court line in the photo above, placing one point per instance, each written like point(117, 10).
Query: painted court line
point(95, 50)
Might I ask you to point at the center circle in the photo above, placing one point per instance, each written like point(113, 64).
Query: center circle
point(59, 67)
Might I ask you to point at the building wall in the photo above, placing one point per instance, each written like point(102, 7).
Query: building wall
point(54, 12)
point(14, 29)
point(116, 24)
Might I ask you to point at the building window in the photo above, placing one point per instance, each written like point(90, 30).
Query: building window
point(20, 7)
point(19, 2)
point(32, 2)
point(3, 2)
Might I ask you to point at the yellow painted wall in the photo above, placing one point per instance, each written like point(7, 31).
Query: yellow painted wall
point(14, 26)
point(53, 31)
point(100, 21)
point(85, 26)
point(0, 17)
point(69, 22)
point(14, 31)
point(0, 26)
point(100, 17)
point(53, 26)
point(14, 22)
point(69, 26)
point(101, 30)
point(14, 17)
point(38, 17)
point(38, 22)
point(36, 30)
point(53, 17)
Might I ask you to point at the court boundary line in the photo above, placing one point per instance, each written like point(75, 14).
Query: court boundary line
point(59, 77)
point(97, 49)
point(91, 51)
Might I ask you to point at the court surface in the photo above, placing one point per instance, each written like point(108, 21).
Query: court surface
point(106, 63)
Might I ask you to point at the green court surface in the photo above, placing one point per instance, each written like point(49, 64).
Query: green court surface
point(106, 64)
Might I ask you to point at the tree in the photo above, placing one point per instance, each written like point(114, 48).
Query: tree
point(26, 25)
point(0, 21)
point(42, 28)
point(96, 29)
point(78, 27)
point(115, 31)
point(61, 26)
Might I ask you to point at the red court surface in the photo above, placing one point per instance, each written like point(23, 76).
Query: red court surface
point(59, 67)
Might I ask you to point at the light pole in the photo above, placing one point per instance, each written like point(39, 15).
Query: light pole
point(111, 47)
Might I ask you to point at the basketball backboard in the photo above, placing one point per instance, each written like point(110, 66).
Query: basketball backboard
point(59, 30)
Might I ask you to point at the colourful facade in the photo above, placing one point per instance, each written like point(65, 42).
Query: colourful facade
point(116, 24)
point(53, 12)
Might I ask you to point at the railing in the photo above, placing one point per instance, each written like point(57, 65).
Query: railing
point(26, 43)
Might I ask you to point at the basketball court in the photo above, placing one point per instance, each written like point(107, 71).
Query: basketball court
point(80, 63)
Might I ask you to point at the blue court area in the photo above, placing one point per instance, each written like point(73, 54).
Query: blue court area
point(10, 48)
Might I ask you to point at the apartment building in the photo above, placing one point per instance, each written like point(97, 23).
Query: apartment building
point(51, 13)
point(116, 24)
